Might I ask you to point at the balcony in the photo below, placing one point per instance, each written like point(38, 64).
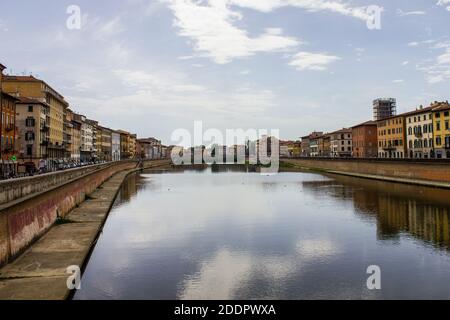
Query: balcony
point(418, 134)
point(389, 148)
point(9, 128)
point(8, 148)
point(45, 143)
point(45, 128)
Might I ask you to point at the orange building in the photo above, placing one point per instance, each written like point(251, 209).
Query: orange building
point(7, 130)
point(365, 140)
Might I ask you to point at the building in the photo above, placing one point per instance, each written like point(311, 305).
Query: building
point(132, 145)
point(76, 137)
point(306, 141)
point(326, 146)
point(419, 133)
point(124, 144)
point(115, 146)
point(94, 127)
point(31, 87)
point(86, 138)
point(106, 144)
point(384, 108)
point(68, 132)
point(392, 137)
point(149, 148)
point(314, 146)
point(7, 131)
point(32, 121)
point(365, 140)
point(441, 125)
point(341, 143)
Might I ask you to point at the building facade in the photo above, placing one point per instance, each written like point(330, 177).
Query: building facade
point(8, 132)
point(306, 143)
point(392, 138)
point(33, 128)
point(75, 155)
point(106, 144)
point(341, 143)
point(31, 87)
point(419, 133)
point(441, 122)
point(115, 146)
point(365, 140)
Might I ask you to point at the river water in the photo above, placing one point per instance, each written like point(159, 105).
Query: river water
point(202, 234)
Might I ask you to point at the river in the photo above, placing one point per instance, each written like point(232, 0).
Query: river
point(231, 234)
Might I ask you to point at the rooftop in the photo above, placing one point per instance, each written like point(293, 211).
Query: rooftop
point(367, 123)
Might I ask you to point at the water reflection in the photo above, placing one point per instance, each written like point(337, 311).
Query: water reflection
point(220, 233)
point(423, 213)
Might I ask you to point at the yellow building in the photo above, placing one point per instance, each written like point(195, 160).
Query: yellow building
point(132, 145)
point(31, 87)
point(392, 137)
point(441, 124)
point(124, 144)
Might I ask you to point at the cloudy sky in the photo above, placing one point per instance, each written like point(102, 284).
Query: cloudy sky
point(152, 66)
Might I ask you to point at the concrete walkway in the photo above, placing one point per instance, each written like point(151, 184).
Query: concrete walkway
point(40, 272)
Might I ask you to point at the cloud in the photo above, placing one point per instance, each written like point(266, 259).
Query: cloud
point(211, 27)
point(398, 81)
point(402, 13)
point(444, 3)
point(312, 61)
point(309, 5)
point(439, 70)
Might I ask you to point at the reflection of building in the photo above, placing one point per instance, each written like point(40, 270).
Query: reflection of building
point(341, 143)
point(392, 137)
point(441, 120)
point(419, 130)
point(365, 140)
point(400, 210)
point(384, 108)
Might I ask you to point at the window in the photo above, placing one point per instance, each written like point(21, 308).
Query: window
point(438, 125)
point(29, 136)
point(446, 125)
point(29, 150)
point(425, 128)
point(30, 108)
point(30, 122)
point(437, 115)
point(438, 141)
point(446, 114)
